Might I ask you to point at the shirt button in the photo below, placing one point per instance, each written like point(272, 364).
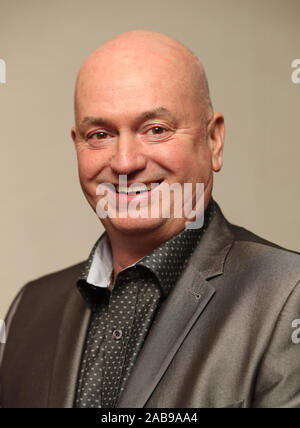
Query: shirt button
point(117, 334)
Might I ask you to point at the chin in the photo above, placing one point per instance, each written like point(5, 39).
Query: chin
point(132, 226)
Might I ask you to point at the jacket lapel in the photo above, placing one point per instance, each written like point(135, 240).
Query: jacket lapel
point(171, 326)
point(180, 311)
point(68, 351)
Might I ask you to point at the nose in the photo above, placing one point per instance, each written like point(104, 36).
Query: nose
point(128, 157)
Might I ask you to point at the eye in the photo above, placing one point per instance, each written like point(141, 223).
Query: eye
point(99, 135)
point(157, 133)
point(156, 130)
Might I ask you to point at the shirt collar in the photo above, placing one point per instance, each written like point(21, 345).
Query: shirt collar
point(101, 265)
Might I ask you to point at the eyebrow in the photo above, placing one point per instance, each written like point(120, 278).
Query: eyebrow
point(159, 111)
point(146, 115)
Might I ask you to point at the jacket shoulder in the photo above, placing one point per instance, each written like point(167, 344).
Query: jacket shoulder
point(257, 257)
point(46, 292)
point(241, 234)
point(252, 258)
point(44, 289)
point(63, 278)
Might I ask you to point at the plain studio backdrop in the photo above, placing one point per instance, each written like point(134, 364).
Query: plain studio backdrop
point(247, 47)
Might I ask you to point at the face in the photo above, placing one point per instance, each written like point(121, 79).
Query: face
point(137, 122)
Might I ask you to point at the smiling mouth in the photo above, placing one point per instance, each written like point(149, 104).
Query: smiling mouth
point(137, 189)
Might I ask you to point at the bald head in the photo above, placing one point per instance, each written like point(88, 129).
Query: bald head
point(138, 53)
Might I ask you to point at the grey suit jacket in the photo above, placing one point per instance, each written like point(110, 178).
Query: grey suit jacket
point(223, 338)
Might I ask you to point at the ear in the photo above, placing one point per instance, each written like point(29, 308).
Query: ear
point(215, 140)
point(73, 134)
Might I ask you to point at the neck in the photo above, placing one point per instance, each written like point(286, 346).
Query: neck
point(128, 249)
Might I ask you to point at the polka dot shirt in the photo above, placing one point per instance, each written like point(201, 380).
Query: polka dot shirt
point(121, 318)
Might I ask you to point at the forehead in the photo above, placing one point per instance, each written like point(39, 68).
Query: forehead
point(132, 83)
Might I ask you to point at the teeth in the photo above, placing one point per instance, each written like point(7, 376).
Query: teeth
point(131, 190)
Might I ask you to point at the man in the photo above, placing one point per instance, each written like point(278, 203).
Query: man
point(162, 314)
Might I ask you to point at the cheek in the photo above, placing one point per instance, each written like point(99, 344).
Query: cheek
point(89, 164)
point(186, 163)
point(172, 156)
